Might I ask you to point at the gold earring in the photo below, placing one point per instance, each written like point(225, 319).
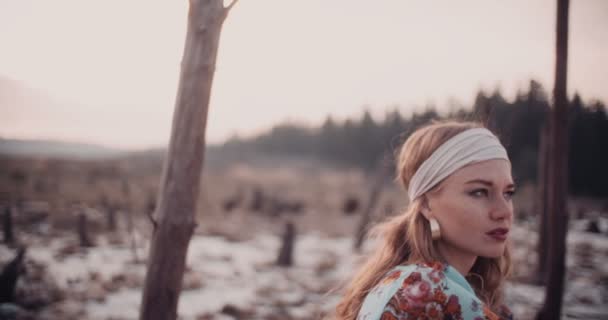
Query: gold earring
point(435, 230)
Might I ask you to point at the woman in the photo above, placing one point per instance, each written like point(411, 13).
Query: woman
point(446, 257)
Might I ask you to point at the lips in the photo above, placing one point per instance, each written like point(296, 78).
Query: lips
point(498, 233)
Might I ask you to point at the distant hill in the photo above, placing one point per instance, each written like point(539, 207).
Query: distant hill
point(22, 107)
point(56, 149)
point(32, 114)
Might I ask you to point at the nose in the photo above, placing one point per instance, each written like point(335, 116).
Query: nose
point(501, 209)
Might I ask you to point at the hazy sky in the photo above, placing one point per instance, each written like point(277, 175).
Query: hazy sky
point(114, 65)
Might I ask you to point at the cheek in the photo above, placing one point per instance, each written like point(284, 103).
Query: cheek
point(462, 215)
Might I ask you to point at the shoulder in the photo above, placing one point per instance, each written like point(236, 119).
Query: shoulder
point(415, 280)
point(426, 292)
point(421, 291)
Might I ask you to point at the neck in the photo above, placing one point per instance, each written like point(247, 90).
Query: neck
point(459, 260)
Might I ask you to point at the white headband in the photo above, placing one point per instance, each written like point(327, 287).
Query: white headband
point(472, 145)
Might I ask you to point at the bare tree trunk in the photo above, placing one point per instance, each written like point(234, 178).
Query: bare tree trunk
point(381, 174)
point(542, 205)
point(557, 186)
point(175, 215)
point(7, 221)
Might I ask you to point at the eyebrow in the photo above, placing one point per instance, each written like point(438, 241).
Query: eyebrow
point(488, 183)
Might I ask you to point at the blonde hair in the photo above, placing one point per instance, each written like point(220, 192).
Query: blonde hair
point(406, 238)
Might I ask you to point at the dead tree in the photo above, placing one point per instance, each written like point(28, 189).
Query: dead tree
point(175, 214)
point(7, 225)
point(285, 258)
point(558, 174)
point(381, 175)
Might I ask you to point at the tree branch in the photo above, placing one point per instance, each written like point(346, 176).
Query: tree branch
point(231, 5)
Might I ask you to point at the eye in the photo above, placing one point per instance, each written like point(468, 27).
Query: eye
point(509, 194)
point(478, 193)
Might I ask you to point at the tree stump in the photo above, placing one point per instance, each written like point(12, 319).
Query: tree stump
point(83, 232)
point(111, 217)
point(7, 225)
point(285, 258)
point(8, 277)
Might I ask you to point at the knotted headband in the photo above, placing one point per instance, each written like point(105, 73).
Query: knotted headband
point(472, 145)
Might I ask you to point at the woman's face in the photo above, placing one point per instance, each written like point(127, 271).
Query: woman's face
point(474, 209)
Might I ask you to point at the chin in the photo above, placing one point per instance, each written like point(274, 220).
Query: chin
point(491, 256)
point(495, 253)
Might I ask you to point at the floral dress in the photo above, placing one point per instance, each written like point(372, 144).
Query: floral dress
point(425, 291)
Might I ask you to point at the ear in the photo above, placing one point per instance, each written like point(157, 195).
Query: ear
point(425, 208)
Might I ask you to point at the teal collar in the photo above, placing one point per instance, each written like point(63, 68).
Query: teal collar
point(455, 276)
